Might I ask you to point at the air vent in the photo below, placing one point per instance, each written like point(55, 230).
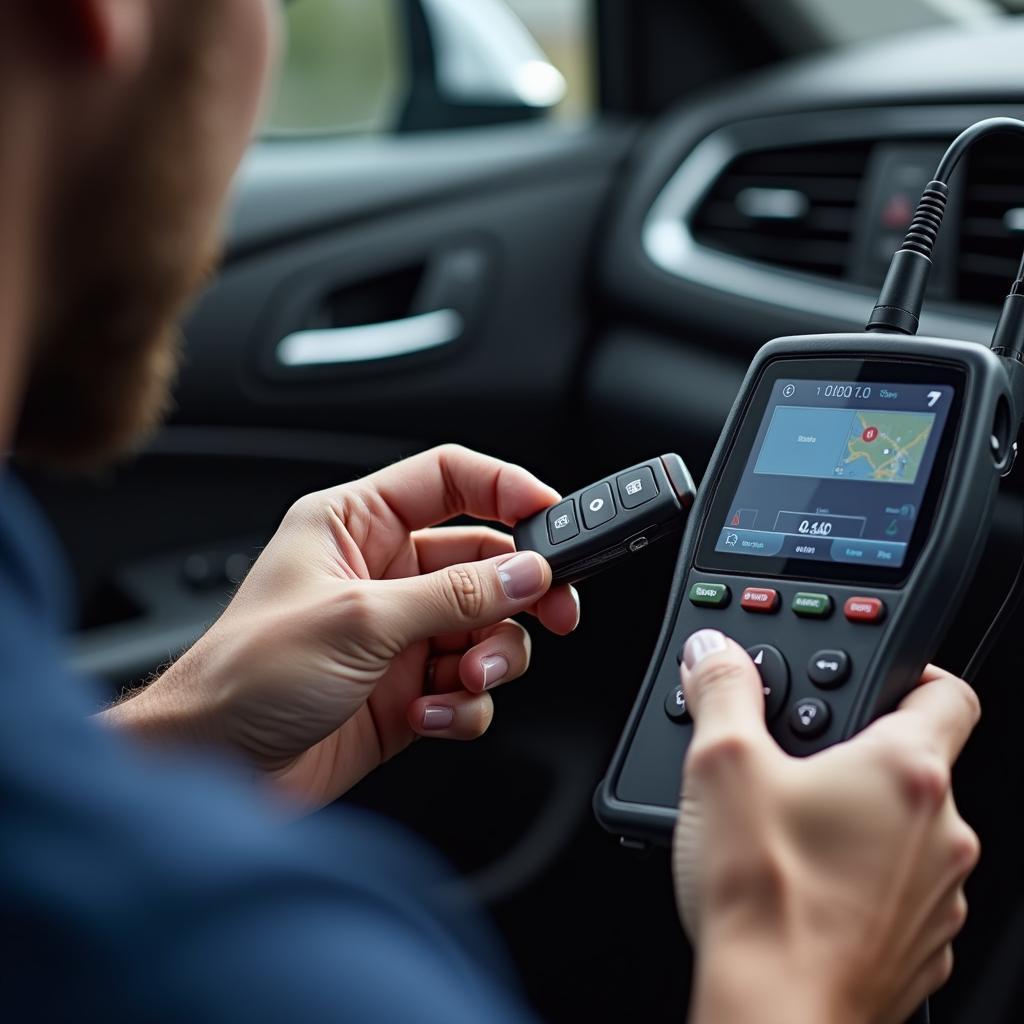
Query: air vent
point(787, 207)
point(992, 228)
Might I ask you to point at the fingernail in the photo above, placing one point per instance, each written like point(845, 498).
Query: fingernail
point(438, 717)
point(702, 644)
point(522, 576)
point(576, 598)
point(495, 669)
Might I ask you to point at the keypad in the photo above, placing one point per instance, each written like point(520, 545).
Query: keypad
point(760, 599)
point(597, 506)
point(864, 609)
point(709, 595)
point(675, 705)
point(828, 669)
point(809, 717)
point(774, 672)
point(637, 487)
point(562, 522)
point(812, 606)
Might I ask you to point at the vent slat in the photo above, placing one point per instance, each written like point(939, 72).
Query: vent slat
point(822, 220)
point(826, 179)
point(797, 207)
point(810, 254)
point(815, 188)
point(989, 248)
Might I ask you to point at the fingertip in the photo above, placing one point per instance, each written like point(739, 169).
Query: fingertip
point(703, 644)
point(717, 672)
point(462, 716)
point(528, 494)
point(524, 576)
point(436, 718)
point(559, 610)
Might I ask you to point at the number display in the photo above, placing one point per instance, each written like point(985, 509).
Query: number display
point(843, 391)
point(815, 527)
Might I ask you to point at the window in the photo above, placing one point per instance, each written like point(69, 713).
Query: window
point(350, 65)
point(563, 30)
point(344, 67)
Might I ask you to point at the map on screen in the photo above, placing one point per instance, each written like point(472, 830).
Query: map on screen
point(845, 444)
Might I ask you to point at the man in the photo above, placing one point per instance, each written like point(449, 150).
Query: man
point(139, 880)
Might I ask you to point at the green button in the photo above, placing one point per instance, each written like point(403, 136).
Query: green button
point(812, 606)
point(710, 595)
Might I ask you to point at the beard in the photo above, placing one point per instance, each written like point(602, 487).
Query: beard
point(106, 359)
point(129, 242)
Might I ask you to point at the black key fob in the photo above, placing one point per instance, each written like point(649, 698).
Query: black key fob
point(589, 531)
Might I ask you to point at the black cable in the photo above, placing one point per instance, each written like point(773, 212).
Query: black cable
point(899, 303)
point(1002, 618)
point(1008, 342)
point(899, 310)
point(969, 136)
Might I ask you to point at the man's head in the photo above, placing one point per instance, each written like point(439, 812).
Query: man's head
point(150, 106)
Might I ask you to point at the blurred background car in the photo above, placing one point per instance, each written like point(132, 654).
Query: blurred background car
point(557, 230)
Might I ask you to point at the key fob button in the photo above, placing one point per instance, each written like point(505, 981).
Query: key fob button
point(562, 522)
point(774, 677)
point(637, 487)
point(597, 506)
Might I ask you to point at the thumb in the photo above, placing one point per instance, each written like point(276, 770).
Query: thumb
point(723, 689)
point(466, 596)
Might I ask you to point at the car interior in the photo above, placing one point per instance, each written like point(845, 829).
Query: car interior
point(575, 294)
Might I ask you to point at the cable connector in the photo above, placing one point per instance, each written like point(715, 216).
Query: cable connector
point(1008, 342)
point(899, 303)
point(902, 296)
point(1008, 339)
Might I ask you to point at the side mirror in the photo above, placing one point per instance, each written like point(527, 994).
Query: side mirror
point(473, 62)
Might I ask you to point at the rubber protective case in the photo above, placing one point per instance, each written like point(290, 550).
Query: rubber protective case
point(945, 565)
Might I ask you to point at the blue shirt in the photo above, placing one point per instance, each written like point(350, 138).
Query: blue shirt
point(135, 886)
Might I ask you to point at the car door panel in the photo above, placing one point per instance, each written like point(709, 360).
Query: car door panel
point(497, 226)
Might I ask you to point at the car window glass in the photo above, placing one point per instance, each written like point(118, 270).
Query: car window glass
point(346, 65)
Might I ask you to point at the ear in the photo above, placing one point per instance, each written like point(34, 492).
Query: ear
point(108, 33)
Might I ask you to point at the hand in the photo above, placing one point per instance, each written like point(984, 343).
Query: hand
point(358, 628)
point(827, 888)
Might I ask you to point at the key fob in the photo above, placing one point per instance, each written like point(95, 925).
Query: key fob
point(589, 531)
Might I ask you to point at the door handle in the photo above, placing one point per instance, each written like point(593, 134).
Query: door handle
point(371, 342)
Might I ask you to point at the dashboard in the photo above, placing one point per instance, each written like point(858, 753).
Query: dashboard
point(820, 156)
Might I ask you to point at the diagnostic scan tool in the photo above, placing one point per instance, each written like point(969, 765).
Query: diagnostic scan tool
point(838, 526)
point(834, 536)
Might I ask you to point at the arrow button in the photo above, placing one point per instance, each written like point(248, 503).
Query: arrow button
point(829, 669)
point(774, 677)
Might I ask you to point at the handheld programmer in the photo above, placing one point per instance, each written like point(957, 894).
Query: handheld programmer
point(834, 537)
point(837, 528)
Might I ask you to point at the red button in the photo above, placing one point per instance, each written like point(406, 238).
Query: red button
point(864, 609)
point(759, 599)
